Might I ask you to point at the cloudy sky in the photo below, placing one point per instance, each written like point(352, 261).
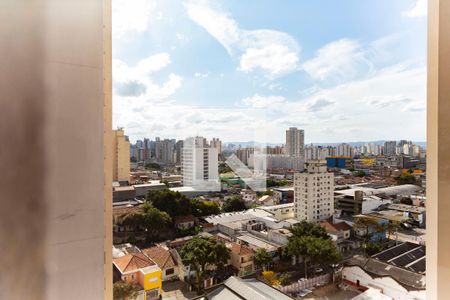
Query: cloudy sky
point(346, 70)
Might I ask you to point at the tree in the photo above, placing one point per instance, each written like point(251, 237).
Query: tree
point(313, 249)
point(154, 220)
point(311, 242)
point(262, 258)
point(153, 166)
point(173, 203)
point(359, 174)
point(125, 291)
point(309, 229)
point(285, 279)
point(234, 204)
point(372, 248)
point(201, 252)
point(405, 178)
point(364, 223)
point(202, 208)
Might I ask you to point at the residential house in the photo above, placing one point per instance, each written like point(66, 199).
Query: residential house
point(241, 258)
point(184, 222)
point(341, 234)
point(163, 258)
point(138, 269)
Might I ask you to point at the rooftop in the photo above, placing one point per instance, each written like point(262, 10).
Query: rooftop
point(235, 288)
point(132, 262)
point(160, 255)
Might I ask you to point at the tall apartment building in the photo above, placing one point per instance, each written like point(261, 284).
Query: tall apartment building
point(345, 150)
point(314, 192)
point(295, 142)
point(216, 143)
point(244, 154)
point(200, 165)
point(121, 156)
point(390, 148)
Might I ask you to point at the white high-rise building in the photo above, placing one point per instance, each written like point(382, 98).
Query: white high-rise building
point(389, 148)
point(314, 192)
point(295, 142)
point(345, 150)
point(200, 166)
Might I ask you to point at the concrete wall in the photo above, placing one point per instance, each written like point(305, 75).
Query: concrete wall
point(54, 95)
point(438, 145)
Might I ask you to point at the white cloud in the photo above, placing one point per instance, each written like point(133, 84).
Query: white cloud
point(275, 59)
point(201, 75)
point(339, 60)
point(318, 104)
point(131, 17)
point(418, 10)
point(258, 101)
point(136, 81)
point(273, 52)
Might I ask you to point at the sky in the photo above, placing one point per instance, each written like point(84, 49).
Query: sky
point(347, 70)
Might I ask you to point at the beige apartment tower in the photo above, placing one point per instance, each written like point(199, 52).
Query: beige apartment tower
point(121, 156)
point(295, 142)
point(313, 192)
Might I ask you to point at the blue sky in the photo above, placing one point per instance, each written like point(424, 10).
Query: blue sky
point(347, 70)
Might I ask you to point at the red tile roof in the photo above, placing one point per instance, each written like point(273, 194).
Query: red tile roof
point(330, 227)
point(132, 262)
point(241, 249)
point(160, 256)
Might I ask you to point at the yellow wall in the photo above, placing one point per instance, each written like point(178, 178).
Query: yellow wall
point(121, 156)
point(148, 282)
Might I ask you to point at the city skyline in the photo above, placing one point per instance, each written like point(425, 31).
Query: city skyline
point(200, 66)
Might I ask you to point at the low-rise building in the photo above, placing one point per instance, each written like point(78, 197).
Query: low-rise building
point(235, 288)
point(241, 258)
point(138, 269)
point(184, 222)
point(398, 272)
point(163, 258)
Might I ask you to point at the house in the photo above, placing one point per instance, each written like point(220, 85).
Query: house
point(138, 269)
point(397, 272)
point(163, 258)
point(241, 258)
point(184, 222)
point(235, 288)
point(266, 200)
point(340, 233)
point(248, 196)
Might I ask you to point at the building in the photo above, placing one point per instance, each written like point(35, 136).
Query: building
point(121, 156)
point(313, 193)
point(138, 269)
point(241, 258)
point(295, 142)
point(398, 272)
point(339, 162)
point(244, 154)
point(217, 144)
point(283, 195)
point(235, 288)
point(163, 258)
point(390, 148)
point(345, 150)
point(200, 165)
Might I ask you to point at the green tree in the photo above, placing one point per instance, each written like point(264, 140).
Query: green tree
point(359, 174)
point(173, 203)
point(202, 208)
point(365, 223)
point(285, 279)
point(201, 252)
point(262, 258)
point(309, 229)
point(154, 220)
point(234, 203)
point(405, 178)
point(153, 166)
point(125, 291)
point(372, 248)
